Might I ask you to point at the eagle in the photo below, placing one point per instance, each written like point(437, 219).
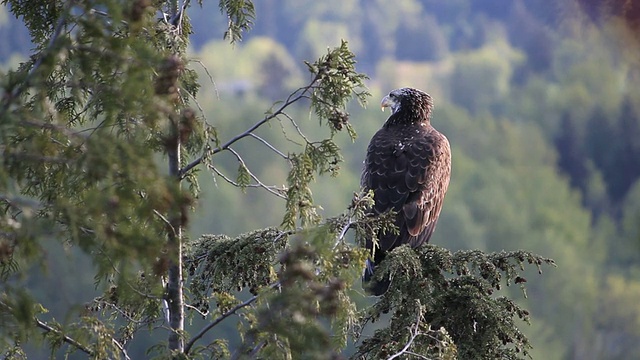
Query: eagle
point(407, 166)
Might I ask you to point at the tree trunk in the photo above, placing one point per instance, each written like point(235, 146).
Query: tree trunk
point(174, 281)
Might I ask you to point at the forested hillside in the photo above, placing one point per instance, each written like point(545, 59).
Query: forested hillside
point(541, 104)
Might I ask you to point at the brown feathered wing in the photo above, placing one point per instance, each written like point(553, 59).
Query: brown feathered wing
point(408, 168)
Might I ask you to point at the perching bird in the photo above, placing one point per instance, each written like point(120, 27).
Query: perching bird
point(408, 166)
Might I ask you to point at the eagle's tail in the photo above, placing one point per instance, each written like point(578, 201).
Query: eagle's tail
point(371, 285)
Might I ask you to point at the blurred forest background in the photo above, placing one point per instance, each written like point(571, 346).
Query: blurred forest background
point(539, 100)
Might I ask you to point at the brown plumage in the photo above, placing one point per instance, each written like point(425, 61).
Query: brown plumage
point(408, 166)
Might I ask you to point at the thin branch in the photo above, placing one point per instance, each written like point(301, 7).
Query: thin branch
point(257, 348)
point(188, 306)
point(165, 220)
point(417, 355)
point(414, 334)
point(43, 325)
point(215, 322)
point(292, 98)
point(284, 133)
point(19, 202)
point(295, 125)
point(105, 14)
point(343, 233)
point(51, 126)
point(272, 189)
point(254, 177)
point(195, 101)
point(38, 158)
point(120, 311)
point(220, 318)
point(194, 163)
point(267, 144)
point(251, 355)
point(122, 349)
point(133, 288)
point(206, 70)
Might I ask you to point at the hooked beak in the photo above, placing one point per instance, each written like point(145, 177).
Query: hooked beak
point(386, 102)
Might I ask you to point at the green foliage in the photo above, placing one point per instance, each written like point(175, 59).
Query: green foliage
point(222, 264)
point(455, 292)
point(299, 280)
point(337, 82)
point(108, 94)
point(83, 123)
point(490, 69)
point(241, 14)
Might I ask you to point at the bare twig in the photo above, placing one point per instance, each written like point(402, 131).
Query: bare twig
point(297, 127)
point(272, 189)
point(122, 349)
point(267, 144)
point(292, 98)
point(206, 70)
point(195, 101)
point(119, 311)
point(165, 220)
point(188, 306)
point(414, 334)
point(284, 133)
point(253, 176)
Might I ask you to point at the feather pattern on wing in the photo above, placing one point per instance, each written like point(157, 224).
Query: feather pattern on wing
point(408, 165)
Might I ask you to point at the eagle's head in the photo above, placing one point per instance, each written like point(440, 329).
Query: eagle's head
point(408, 105)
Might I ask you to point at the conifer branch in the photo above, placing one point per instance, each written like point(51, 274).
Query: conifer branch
point(220, 318)
point(49, 329)
point(75, 343)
